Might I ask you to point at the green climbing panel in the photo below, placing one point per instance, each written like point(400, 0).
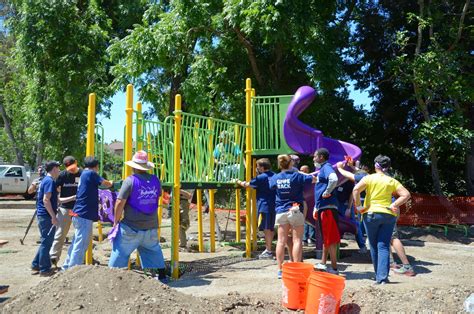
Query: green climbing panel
point(268, 114)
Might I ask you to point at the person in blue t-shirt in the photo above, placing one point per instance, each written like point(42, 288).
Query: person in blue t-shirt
point(85, 211)
point(289, 186)
point(265, 202)
point(360, 172)
point(325, 209)
point(46, 210)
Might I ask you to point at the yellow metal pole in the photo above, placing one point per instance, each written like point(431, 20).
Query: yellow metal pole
point(176, 188)
point(198, 191)
point(90, 146)
point(212, 220)
point(127, 170)
point(139, 147)
point(248, 160)
point(160, 202)
point(128, 129)
point(237, 194)
point(254, 209)
point(200, 231)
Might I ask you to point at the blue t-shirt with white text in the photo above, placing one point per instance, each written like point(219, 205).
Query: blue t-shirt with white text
point(321, 186)
point(87, 198)
point(47, 185)
point(289, 186)
point(265, 195)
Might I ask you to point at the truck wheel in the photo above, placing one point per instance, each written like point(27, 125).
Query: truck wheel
point(29, 196)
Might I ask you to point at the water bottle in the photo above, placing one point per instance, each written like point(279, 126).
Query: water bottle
point(469, 304)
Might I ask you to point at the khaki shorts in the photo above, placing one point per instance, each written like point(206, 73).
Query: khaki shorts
point(293, 218)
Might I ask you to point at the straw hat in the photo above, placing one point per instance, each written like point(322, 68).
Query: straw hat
point(140, 161)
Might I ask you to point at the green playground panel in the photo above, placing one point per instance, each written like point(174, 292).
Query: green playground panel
point(268, 114)
point(199, 137)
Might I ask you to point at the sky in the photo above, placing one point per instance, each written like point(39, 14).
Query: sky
point(114, 126)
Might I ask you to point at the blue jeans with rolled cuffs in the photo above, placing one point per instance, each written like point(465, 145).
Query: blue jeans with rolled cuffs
point(379, 228)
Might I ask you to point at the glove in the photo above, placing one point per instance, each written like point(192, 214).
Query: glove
point(326, 195)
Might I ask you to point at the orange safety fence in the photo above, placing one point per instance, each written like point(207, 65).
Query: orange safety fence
point(423, 209)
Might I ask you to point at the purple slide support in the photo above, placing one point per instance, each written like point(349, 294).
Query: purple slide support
point(305, 140)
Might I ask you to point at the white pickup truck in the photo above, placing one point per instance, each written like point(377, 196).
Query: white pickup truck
point(15, 179)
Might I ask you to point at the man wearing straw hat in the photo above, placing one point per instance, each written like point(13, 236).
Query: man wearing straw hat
point(138, 202)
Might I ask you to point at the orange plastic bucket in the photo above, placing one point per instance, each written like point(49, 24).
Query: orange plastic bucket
point(294, 282)
point(324, 293)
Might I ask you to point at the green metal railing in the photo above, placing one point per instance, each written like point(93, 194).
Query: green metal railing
point(212, 150)
point(268, 114)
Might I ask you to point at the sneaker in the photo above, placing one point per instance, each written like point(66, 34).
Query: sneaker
point(305, 243)
point(363, 250)
point(4, 289)
point(320, 266)
point(394, 266)
point(381, 283)
point(279, 274)
point(35, 270)
point(311, 242)
point(332, 271)
point(266, 255)
point(406, 270)
point(48, 273)
point(54, 262)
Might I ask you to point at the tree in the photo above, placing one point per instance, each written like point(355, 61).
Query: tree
point(59, 56)
point(419, 80)
point(205, 51)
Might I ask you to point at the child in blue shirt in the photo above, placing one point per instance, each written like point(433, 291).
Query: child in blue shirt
point(265, 202)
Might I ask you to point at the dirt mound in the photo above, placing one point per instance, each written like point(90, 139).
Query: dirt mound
point(384, 299)
point(100, 289)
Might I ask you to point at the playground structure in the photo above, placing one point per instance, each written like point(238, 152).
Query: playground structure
point(204, 153)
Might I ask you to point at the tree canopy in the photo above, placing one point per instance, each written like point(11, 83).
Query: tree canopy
point(414, 58)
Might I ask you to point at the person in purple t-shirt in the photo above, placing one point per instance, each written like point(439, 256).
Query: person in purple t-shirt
point(138, 230)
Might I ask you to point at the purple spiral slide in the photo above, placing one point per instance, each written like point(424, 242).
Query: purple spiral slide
point(305, 140)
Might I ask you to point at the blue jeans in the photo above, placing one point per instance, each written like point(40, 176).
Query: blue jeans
point(360, 230)
point(309, 233)
point(42, 259)
point(80, 242)
point(145, 241)
point(379, 230)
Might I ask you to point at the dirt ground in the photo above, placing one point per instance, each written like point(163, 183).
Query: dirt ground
point(226, 281)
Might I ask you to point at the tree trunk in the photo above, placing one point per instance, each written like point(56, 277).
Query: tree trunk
point(6, 120)
point(174, 89)
point(470, 155)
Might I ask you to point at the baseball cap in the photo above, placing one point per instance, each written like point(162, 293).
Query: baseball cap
point(69, 160)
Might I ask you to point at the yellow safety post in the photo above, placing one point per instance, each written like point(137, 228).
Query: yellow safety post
point(90, 145)
point(127, 170)
point(139, 147)
point(254, 208)
point(199, 192)
point(237, 194)
point(212, 220)
point(176, 188)
point(200, 231)
point(248, 160)
point(210, 147)
point(160, 202)
point(128, 129)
